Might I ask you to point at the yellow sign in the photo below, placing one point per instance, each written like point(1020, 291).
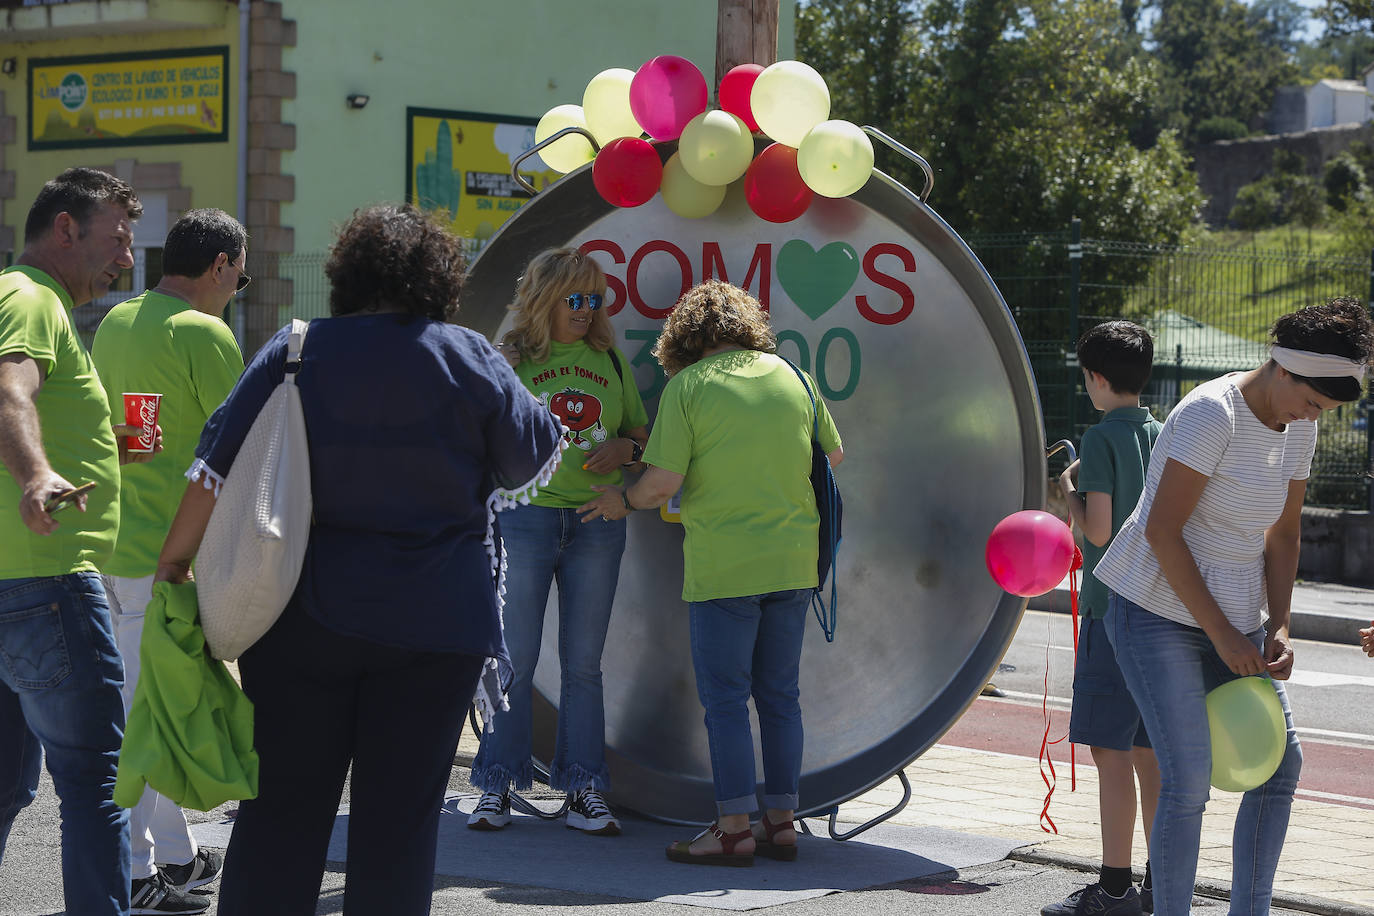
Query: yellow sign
point(174, 96)
point(460, 162)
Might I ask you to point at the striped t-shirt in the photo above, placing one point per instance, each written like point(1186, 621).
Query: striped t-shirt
point(1249, 466)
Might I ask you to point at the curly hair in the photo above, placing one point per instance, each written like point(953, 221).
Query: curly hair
point(1340, 327)
point(709, 315)
point(395, 257)
point(551, 276)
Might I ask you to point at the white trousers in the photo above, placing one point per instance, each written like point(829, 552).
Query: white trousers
point(158, 834)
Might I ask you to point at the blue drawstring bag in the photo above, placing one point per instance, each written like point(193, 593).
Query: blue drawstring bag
point(831, 509)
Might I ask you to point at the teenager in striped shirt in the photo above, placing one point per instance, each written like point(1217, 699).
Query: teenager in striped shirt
point(1213, 541)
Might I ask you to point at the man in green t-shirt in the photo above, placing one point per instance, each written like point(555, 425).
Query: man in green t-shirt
point(170, 341)
point(61, 676)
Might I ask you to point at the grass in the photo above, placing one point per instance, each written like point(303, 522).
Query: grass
point(1240, 282)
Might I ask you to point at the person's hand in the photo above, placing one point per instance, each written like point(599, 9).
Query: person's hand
point(175, 573)
point(37, 492)
point(609, 455)
point(608, 505)
point(1239, 653)
point(1367, 639)
point(122, 430)
point(1278, 654)
point(1066, 479)
point(510, 351)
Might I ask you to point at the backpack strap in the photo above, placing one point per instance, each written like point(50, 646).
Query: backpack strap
point(815, 415)
point(295, 343)
point(615, 363)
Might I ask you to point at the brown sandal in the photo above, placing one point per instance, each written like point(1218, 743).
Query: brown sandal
point(682, 851)
point(782, 852)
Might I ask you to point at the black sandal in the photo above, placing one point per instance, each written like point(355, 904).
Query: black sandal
point(682, 850)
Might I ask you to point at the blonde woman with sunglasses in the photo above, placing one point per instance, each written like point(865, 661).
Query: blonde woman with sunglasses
point(562, 348)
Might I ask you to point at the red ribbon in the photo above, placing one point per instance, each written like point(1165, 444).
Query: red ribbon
point(1046, 761)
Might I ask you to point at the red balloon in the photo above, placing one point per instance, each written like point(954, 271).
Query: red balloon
point(773, 186)
point(735, 87)
point(1029, 552)
point(627, 172)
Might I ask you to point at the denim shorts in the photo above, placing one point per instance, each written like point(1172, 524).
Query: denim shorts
point(1104, 714)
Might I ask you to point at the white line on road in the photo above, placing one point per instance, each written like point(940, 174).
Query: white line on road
point(1062, 703)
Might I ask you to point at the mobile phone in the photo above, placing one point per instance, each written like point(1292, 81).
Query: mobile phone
point(66, 498)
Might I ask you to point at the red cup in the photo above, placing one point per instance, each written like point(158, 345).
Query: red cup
point(141, 410)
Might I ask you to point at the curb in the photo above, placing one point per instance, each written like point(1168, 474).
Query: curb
point(1301, 625)
point(1305, 903)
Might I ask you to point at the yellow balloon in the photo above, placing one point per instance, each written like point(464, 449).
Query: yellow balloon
point(1249, 733)
point(571, 151)
point(835, 159)
point(686, 196)
point(716, 147)
point(788, 99)
point(606, 103)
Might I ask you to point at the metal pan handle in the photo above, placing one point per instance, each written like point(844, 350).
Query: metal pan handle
point(515, 166)
point(907, 152)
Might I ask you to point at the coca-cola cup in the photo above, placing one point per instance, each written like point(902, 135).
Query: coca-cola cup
point(140, 409)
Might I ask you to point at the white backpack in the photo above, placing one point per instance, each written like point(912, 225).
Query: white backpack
point(250, 558)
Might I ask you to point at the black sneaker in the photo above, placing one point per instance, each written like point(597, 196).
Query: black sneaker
point(198, 872)
point(156, 895)
point(1147, 899)
point(1094, 901)
point(588, 812)
point(492, 812)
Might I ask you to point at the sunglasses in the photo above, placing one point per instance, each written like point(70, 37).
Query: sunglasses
point(244, 279)
point(591, 300)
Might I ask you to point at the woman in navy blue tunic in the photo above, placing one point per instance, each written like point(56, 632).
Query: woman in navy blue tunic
point(418, 431)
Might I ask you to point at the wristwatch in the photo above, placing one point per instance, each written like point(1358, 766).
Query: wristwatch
point(636, 452)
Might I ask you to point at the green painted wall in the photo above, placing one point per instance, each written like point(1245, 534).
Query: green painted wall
point(511, 57)
point(209, 169)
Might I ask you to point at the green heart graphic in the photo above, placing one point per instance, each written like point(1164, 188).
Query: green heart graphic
point(816, 280)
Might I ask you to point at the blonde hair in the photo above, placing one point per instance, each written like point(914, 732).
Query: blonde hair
point(709, 315)
point(552, 276)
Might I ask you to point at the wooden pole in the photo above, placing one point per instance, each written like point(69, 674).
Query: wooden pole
point(746, 33)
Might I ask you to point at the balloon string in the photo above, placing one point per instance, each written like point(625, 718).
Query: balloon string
point(1046, 761)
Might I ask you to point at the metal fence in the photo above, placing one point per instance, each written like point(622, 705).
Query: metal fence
point(1208, 308)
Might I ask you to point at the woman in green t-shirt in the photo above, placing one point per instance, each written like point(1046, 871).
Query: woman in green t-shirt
point(562, 347)
point(734, 430)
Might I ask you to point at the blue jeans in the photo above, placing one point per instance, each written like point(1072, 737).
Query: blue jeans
point(1169, 669)
point(60, 680)
point(542, 545)
point(743, 646)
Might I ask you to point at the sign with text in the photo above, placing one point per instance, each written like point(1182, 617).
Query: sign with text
point(136, 99)
point(460, 162)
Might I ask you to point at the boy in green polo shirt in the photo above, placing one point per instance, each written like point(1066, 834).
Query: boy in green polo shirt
point(1116, 358)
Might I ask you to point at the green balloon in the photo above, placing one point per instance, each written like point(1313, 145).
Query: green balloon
point(1249, 733)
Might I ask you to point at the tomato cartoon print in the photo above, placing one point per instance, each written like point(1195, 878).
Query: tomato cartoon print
point(580, 412)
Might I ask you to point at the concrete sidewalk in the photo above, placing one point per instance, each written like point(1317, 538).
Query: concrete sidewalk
point(1327, 865)
point(1321, 611)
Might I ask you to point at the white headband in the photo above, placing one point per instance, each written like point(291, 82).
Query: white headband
point(1317, 365)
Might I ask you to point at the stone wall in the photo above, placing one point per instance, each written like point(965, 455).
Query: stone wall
point(1337, 546)
point(1223, 168)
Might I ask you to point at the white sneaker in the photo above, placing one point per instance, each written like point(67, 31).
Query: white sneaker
point(492, 812)
point(588, 812)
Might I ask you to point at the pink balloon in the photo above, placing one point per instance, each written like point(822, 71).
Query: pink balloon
point(774, 188)
point(665, 94)
point(1029, 552)
point(627, 172)
point(735, 87)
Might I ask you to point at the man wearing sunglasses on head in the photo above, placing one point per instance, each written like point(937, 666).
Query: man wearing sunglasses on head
point(172, 341)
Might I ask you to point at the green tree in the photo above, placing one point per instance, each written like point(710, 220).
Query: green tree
point(1349, 16)
point(1219, 59)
